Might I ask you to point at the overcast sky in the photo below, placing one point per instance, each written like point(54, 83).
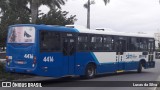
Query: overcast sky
point(119, 15)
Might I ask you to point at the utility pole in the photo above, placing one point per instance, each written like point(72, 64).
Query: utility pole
point(88, 15)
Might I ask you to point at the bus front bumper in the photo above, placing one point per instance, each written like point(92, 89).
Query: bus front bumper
point(19, 70)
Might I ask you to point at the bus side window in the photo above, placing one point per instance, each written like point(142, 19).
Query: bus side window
point(151, 45)
point(68, 46)
point(65, 46)
point(96, 43)
point(49, 41)
point(143, 44)
point(108, 43)
point(43, 37)
point(72, 46)
point(82, 42)
point(134, 44)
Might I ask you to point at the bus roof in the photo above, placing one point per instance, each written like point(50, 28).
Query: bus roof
point(108, 31)
point(48, 27)
point(81, 29)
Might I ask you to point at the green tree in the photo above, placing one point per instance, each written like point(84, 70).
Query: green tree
point(35, 4)
point(17, 12)
point(56, 17)
point(13, 12)
point(87, 6)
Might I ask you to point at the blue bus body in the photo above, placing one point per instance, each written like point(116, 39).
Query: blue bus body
point(27, 57)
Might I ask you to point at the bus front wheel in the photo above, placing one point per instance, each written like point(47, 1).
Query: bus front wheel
point(139, 70)
point(90, 71)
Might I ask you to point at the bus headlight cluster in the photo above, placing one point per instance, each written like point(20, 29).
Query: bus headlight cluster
point(8, 60)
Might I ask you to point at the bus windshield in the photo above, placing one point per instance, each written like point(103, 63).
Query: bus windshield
point(21, 34)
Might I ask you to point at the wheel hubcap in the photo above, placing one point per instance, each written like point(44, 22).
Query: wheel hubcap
point(91, 71)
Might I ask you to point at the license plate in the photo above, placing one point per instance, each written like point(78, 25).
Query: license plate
point(20, 62)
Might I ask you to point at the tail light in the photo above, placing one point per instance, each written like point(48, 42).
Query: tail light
point(7, 59)
point(34, 60)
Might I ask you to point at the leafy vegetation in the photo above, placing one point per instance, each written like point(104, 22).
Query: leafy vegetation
point(35, 4)
point(56, 17)
point(4, 76)
point(19, 12)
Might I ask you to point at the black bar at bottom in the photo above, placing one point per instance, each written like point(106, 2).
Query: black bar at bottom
point(82, 84)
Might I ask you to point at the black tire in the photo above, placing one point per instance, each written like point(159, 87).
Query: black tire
point(90, 71)
point(139, 69)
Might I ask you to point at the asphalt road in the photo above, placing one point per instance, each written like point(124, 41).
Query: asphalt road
point(146, 75)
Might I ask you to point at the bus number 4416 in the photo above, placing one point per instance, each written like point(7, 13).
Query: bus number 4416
point(48, 59)
point(29, 56)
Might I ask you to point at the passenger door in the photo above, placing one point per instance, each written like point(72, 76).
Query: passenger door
point(151, 50)
point(120, 49)
point(69, 54)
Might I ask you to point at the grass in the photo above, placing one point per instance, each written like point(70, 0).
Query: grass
point(6, 76)
point(3, 74)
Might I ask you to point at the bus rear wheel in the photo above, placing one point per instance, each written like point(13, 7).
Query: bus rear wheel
point(139, 69)
point(90, 71)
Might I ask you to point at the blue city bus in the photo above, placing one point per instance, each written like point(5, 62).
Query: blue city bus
point(59, 51)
